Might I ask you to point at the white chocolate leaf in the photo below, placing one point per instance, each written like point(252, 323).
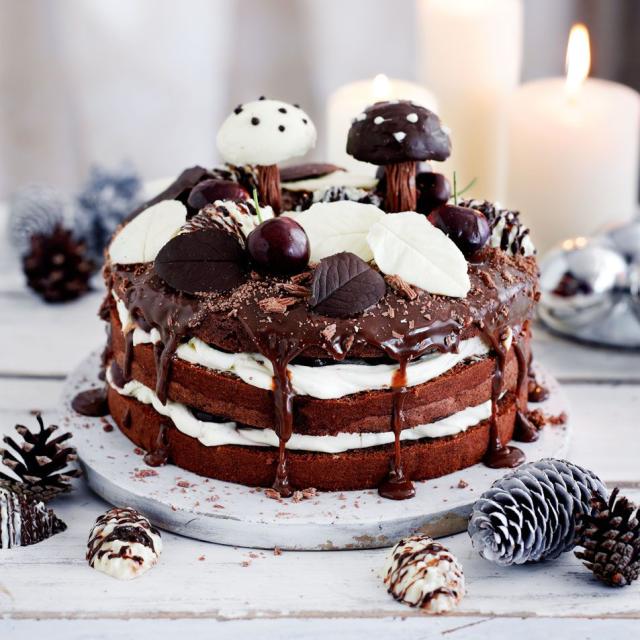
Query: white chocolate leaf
point(333, 227)
point(265, 132)
point(408, 245)
point(142, 238)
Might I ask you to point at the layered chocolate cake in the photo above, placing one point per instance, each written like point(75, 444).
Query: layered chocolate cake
point(304, 327)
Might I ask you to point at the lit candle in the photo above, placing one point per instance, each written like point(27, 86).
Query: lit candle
point(470, 56)
point(350, 100)
point(573, 150)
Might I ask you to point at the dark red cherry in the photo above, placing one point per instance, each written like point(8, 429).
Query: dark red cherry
point(433, 190)
point(279, 245)
point(468, 228)
point(209, 191)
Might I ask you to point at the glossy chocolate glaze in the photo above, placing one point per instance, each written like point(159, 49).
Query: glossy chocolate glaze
point(502, 296)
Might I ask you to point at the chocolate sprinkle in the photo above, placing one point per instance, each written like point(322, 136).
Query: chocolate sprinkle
point(255, 121)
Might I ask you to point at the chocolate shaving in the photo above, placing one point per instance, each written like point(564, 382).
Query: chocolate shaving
point(276, 305)
point(203, 261)
point(296, 290)
point(345, 285)
point(401, 287)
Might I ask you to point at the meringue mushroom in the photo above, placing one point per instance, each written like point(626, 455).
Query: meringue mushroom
point(264, 133)
point(398, 134)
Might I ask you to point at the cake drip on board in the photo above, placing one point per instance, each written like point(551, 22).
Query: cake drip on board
point(92, 403)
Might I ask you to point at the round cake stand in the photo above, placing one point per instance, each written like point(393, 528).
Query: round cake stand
point(215, 511)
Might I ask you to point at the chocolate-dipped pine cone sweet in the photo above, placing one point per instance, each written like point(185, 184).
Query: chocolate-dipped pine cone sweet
point(390, 357)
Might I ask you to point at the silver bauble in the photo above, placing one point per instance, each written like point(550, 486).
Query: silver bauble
point(626, 239)
point(582, 280)
point(634, 286)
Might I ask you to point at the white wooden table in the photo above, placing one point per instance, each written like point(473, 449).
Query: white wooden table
point(202, 589)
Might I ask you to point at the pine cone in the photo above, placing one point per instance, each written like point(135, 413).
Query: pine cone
point(56, 265)
point(610, 535)
point(24, 522)
point(107, 198)
point(35, 209)
point(40, 462)
point(530, 514)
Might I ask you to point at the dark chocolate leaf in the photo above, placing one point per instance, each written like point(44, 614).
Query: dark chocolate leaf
point(179, 189)
point(307, 170)
point(344, 285)
point(206, 260)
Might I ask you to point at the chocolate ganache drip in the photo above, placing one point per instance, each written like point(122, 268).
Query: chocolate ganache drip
point(280, 349)
point(442, 336)
point(499, 455)
point(525, 431)
point(172, 316)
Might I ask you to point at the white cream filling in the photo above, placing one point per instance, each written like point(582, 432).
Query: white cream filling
point(324, 383)
point(213, 434)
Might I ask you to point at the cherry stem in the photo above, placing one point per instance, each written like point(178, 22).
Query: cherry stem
point(257, 204)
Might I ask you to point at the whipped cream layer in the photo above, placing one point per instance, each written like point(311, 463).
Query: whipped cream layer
point(329, 382)
point(214, 434)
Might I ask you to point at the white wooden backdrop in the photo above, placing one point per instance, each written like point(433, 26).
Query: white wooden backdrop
point(206, 590)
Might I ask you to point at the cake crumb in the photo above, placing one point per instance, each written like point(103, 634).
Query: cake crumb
point(540, 419)
point(305, 494)
point(277, 551)
point(145, 473)
point(462, 484)
point(201, 558)
point(272, 493)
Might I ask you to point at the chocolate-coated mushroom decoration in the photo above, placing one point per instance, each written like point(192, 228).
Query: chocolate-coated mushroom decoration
point(397, 135)
point(263, 133)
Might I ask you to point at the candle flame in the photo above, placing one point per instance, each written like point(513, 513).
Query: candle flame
point(381, 88)
point(578, 60)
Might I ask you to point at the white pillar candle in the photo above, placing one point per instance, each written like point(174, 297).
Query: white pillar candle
point(351, 99)
point(573, 151)
point(470, 56)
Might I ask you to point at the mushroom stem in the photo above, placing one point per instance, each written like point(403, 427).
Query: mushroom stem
point(269, 186)
point(401, 187)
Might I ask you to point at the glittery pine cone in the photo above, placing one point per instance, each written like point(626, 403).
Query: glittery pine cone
point(610, 537)
point(39, 461)
point(530, 514)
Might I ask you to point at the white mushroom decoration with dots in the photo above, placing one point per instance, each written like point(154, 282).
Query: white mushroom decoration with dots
point(263, 133)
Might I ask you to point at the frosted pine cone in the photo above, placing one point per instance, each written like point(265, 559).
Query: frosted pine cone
point(422, 573)
point(530, 514)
